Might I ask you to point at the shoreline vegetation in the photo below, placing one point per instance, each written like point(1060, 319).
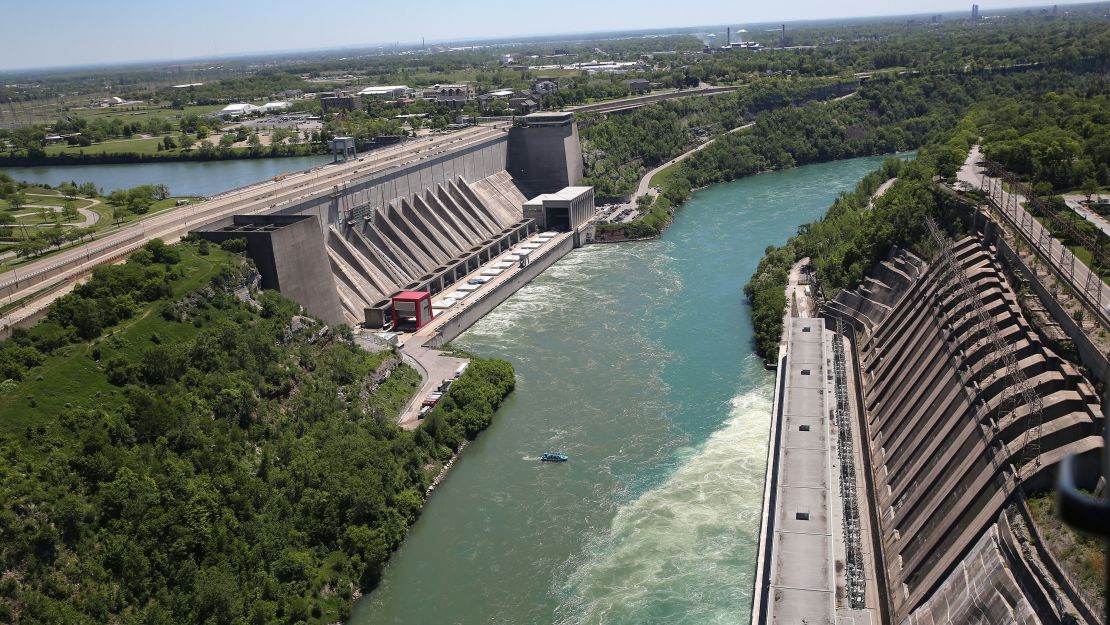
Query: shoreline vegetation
point(181, 446)
point(200, 155)
point(888, 114)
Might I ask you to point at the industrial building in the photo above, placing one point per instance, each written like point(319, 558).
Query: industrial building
point(557, 211)
point(237, 110)
point(388, 92)
point(335, 101)
point(422, 227)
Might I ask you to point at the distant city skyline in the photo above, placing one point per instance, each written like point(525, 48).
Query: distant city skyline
point(62, 33)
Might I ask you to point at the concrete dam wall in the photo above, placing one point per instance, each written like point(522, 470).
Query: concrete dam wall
point(483, 156)
point(424, 242)
point(952, 443)
point(421, 224)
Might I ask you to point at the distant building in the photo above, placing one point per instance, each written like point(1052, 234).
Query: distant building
point(454, 96)
point(975, 11)
point(237, 110)
point(273, 107)
point(523, 106)
point(333, 101)
point(187, 85)
point(638, 85)
point(545, 86)
point(388, 92)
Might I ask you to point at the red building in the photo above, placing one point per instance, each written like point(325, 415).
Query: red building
point(412, 307)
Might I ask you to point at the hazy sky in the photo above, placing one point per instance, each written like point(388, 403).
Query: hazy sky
point(47, 33)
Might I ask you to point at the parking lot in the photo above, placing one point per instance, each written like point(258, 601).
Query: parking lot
point(293, 121)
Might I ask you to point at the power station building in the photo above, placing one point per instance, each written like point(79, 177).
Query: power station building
point(563, 211)
point(422, 226)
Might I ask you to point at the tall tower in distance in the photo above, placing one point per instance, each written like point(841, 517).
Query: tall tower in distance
point(975, 11)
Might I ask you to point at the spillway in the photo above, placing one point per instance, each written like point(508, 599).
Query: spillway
point(424, 242)
point(952, 442)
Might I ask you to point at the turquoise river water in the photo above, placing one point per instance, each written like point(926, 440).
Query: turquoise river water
point(634, 359)
point(200, 178)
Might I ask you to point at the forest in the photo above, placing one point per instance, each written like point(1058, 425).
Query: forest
point(179, 447)
point(1053, 136)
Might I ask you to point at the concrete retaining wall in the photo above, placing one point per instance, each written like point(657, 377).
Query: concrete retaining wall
point(381, 188)
point(480, 308)
point(1089, 355)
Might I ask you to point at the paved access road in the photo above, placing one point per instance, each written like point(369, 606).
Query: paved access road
point(1080, 278)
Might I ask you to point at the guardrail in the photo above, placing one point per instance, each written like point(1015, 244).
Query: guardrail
point(41, 274)
point(1061, 260)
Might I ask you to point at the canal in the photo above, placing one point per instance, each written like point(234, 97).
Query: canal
point(634, 359)
point(186, 178)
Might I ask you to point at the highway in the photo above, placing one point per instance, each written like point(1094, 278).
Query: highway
point(38, 283)
point(632, 103)
point(1085, 283)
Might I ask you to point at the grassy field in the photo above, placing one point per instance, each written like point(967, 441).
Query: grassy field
point(1081, 555)
point(33, 221)
point(141, 113)
point(74, 375)
point(113, 146)
point(658, 179)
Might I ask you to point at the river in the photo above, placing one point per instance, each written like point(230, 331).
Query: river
point(186, 178)
point(635, 359)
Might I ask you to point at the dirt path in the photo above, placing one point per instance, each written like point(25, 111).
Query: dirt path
point(883, 188)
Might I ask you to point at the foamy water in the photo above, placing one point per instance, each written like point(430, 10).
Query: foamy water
point(683, 552)
point(635, 360)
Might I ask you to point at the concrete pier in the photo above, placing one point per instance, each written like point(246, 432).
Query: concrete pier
point(802, 556)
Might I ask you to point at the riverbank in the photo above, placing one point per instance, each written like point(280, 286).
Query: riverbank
point(662, 409)
point(661, 211)
point(120, 158)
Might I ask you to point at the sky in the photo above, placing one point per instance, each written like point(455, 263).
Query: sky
point(53, 33)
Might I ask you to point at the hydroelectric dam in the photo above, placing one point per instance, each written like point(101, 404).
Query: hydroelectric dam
point(344, 238)
point(424, 226)
point(914, 418)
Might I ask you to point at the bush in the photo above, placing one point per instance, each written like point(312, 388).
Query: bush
point(235, 246)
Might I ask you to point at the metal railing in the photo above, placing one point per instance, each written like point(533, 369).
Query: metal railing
point(1019, 392)
point(854, 577)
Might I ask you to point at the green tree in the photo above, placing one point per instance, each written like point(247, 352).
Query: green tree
point(1089, 188)
point(17, 200)
point(119, 213)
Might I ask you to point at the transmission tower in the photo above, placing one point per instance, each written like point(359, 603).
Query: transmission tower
point(1019, 391)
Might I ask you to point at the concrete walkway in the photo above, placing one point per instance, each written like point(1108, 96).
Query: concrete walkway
point(1079, 278)
point(90, 216)
point(434, 367)
point(883, 188)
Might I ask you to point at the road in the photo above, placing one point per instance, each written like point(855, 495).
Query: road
point(72, 264)
point(645, 188)
point(883, 188)
point(1079, 277)
point(637, 102)
point(1098, 220)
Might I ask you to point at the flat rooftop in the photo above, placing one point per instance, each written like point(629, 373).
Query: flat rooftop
point(802, 570)
point(548, 118)
point(565, 194)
